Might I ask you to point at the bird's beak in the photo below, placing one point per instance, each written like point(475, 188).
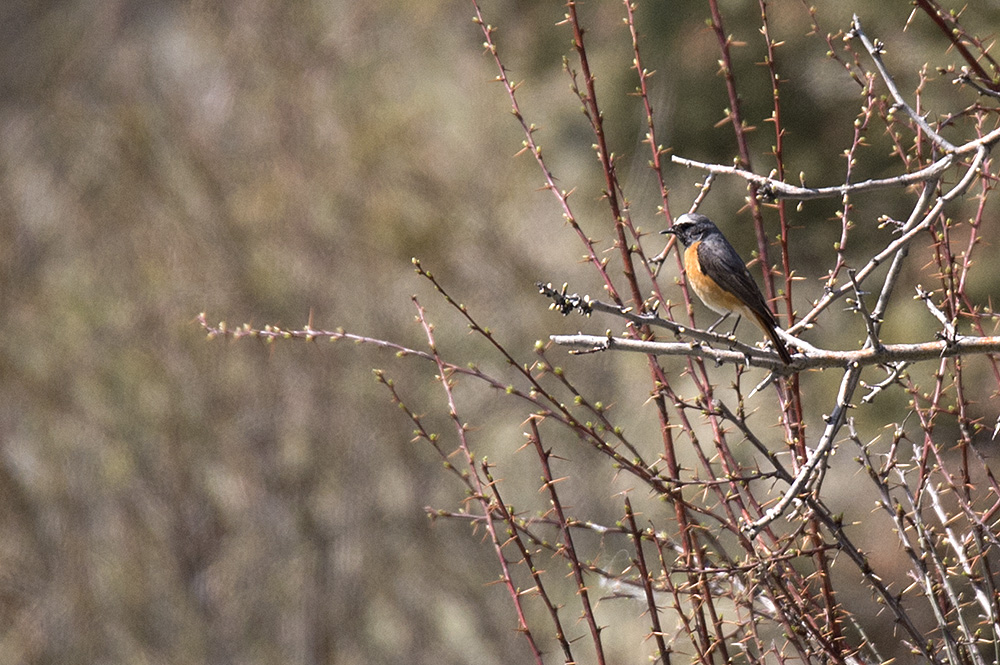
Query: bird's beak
point(670, 231)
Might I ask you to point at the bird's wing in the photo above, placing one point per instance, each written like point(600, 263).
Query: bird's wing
point(721, 262)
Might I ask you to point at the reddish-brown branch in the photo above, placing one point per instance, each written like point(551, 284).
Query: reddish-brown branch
point(955, 33)
point(742, 143)
point(567, 539)
point(531, 146)
point(514, 532)
point(647, 583)
point(604, 154)
point(481, 496)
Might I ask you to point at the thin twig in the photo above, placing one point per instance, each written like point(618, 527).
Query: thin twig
point(530, 145)
point(875, 50)
point(567, 537)
point(895, 246)
point(958, 37)
point(894, 372)
point(949, 326)
point(640, 562)
point(871, 325)
point(526, 555)
point(896, 267)
point(814, 466)
point(589, 98)
point(933, 584)
point(481, 495)
point(983, 596)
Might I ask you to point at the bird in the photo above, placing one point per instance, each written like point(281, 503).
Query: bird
point(720, 277)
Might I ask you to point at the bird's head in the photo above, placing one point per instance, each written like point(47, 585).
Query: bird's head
point(692, 227)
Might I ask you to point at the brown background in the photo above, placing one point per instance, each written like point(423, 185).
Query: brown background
point(170, 500)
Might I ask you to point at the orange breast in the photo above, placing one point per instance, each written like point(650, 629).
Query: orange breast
point(710, 293)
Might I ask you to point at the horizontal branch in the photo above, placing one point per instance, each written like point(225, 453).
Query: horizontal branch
point(272, 333)
point(770, 189)
point(566, 303)
point(813, 359)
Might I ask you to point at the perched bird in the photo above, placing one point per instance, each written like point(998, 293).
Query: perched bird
point(721, 279)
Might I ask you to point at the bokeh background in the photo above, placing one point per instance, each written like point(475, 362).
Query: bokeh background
point(172, 500)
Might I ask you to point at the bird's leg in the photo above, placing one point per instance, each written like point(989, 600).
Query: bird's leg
point(739, 317)
point(722, 318)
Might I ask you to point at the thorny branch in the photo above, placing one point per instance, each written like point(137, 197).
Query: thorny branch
point(890, 353)
point(724, 545)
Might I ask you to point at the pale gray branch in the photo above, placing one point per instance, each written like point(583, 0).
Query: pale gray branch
point(983, 596)
point(875, 51)
point(815, 465)
point(818, 359)
point(769, 188)
point(896, 245)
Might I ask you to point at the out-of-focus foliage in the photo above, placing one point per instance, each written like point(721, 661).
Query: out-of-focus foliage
point(172, 500)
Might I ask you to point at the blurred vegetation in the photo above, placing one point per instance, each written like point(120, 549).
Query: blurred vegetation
point(172, 500)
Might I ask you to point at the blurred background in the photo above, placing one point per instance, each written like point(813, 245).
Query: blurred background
point(172, 500)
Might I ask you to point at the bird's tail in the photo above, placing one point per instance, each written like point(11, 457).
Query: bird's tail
point(779, 344)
